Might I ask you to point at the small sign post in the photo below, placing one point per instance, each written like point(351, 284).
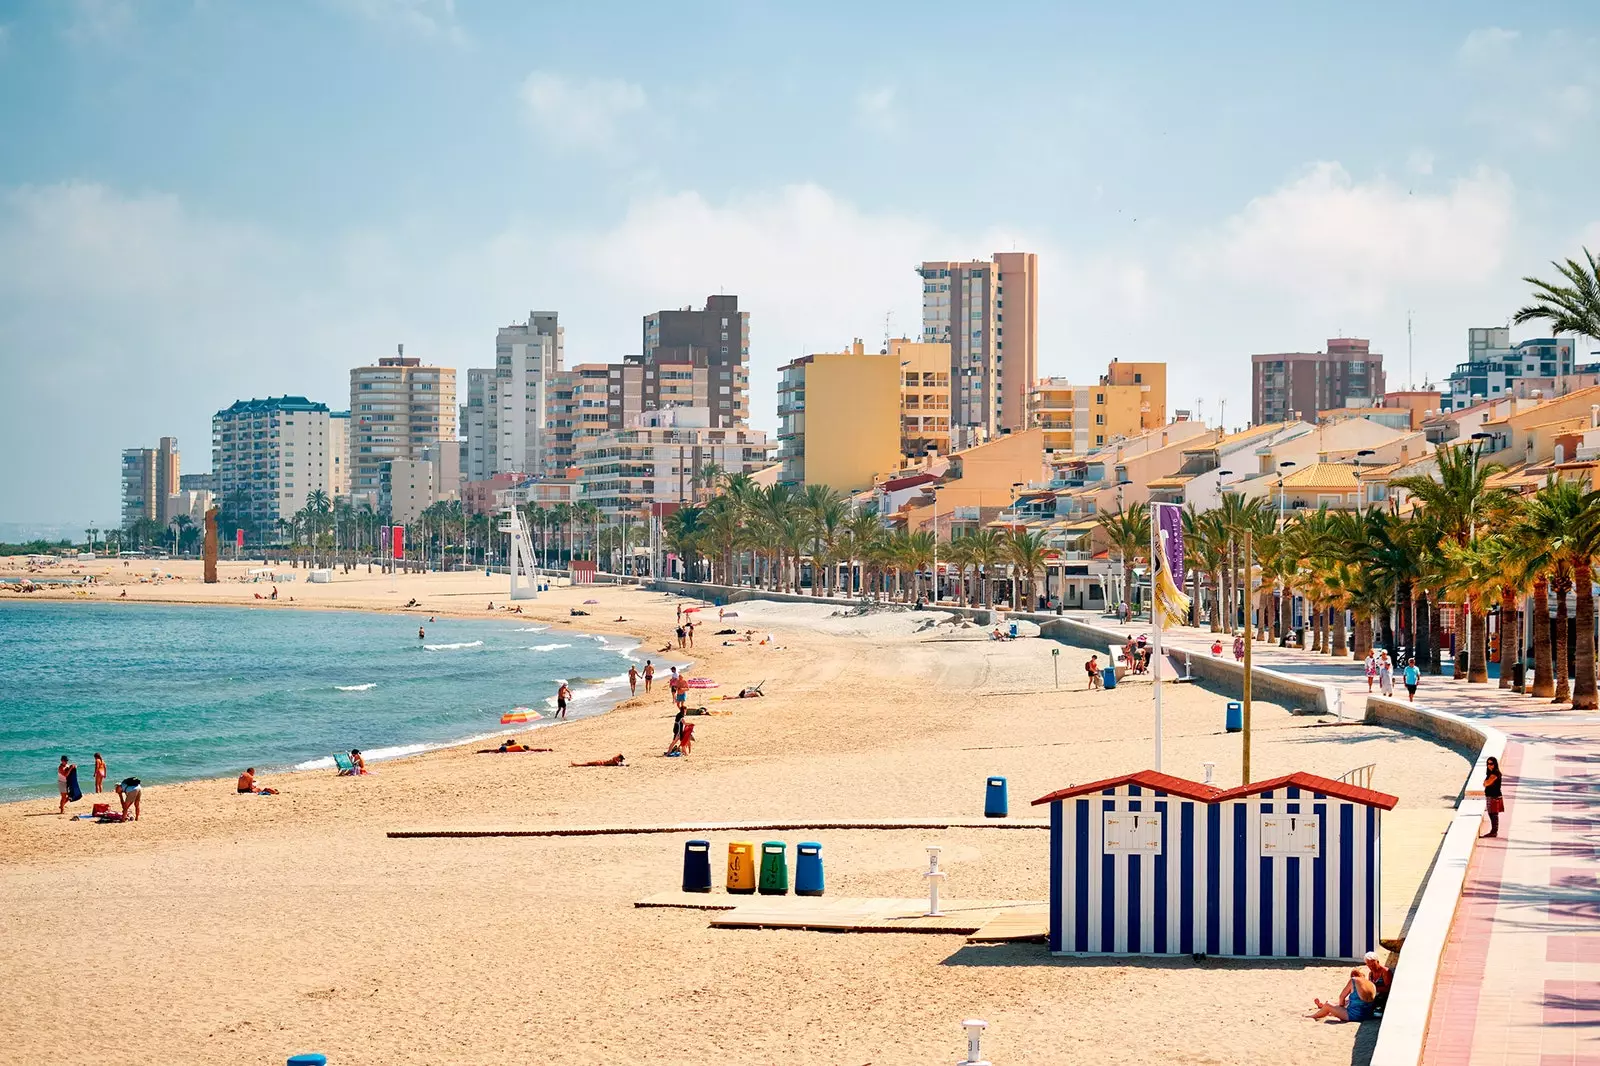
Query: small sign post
point(1055, 658)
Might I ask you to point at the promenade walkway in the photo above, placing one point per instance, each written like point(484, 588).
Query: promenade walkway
point(1519, 983)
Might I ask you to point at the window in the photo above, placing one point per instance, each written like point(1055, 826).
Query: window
point(1138, 379)
point(1100, 398)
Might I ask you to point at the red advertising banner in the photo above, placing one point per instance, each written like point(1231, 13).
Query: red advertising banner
point(238, 537)
point(399, 549)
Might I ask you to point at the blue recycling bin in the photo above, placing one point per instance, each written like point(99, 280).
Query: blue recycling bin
point(1013, 631)
point(808, 870)
point(1235, 721)
point(1109, 674)
point(697, 866)
point(309, 1060)
point(994, 798)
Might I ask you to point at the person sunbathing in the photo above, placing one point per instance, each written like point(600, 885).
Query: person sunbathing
point(1355, 1003)
point(615, 760)
point(247, 785)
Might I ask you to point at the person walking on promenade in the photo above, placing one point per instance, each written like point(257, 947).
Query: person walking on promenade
point(1412, 676)
point(1494, 803)
point(1372, 669)
point(1385, 674)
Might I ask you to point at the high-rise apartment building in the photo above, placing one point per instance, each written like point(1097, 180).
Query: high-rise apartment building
point(397, 408)
point(268, 456)
point(149, 477)
point(658, 457)
point(509, 405)
point(715, 340)
point(339, 454)
point(839, 418)
point(924, 396)
point(1495, 367)
point(578, 411)
point(1129, 399)
point(987, 312)
point(1289, 386)
point(408, 487)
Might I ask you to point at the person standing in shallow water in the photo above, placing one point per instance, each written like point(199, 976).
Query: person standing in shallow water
point(1494, 803)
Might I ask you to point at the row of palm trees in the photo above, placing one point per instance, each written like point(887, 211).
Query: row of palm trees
point(771, 537)
point(1466, 547)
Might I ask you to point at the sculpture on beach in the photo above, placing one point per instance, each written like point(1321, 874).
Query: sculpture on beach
point(210, 550)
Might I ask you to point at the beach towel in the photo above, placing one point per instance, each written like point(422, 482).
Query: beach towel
point(74, 793)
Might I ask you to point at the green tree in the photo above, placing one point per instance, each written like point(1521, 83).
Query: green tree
point(1571, 305)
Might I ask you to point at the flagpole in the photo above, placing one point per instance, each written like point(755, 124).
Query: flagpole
point(1157, 558)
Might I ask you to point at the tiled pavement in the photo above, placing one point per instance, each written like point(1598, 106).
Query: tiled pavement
point(1519, 984)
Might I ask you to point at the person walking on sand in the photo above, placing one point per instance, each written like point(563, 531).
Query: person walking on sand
point(99, 771)
point(1411, 677)
point(649, 675)
point(1494, 804)
point(633, 680)
point(688, 627)
point(1092, 668)
point(563, 694)
point(64, 771)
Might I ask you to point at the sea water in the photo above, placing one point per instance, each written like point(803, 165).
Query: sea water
point(173, 693)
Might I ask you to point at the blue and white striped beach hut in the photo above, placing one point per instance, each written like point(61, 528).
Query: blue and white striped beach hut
point(1149, 864)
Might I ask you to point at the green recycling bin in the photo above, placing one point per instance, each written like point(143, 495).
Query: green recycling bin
point(774, 879)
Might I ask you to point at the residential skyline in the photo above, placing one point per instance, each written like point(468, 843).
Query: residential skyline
point(221, 234)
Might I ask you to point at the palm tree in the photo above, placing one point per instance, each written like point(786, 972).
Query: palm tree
point(820, 503)
point(1573, 307)
point(1025, 551)
point(1129, 534)
point(1544, 534)
point(986, 552)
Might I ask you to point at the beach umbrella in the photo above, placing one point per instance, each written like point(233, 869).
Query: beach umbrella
point(520, 716)
point(701, 682)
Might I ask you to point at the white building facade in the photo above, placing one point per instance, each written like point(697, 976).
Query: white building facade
point(508, 405)
point(268, 456)
point(655, 458)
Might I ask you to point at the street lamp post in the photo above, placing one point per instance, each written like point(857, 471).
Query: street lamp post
point(1285, 610)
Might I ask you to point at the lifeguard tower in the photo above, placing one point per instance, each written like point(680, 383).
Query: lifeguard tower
point(524, 571)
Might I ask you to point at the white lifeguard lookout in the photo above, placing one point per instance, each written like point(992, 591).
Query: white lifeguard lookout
point(524, 571)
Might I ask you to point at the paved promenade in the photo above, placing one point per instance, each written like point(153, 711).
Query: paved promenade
point(1519, 983)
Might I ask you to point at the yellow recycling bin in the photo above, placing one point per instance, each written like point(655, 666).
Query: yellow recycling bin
point(742, 868)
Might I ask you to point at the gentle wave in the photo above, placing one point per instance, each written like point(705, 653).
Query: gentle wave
point(548, 647)
point(402, 750)
point(450, 647)
point(599, 688)
point(356, 688)
point(531, 629)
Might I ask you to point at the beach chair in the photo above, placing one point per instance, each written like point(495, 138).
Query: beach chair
point(344, 765)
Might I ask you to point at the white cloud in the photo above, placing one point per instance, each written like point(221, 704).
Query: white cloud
point(1420, 162)
point(99, 21)
point(586, 114)
point(875, 109)
point(1490, 44)
point(1339, 244)
point(426, 19)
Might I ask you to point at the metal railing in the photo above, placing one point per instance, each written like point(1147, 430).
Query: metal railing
point(1361, 776)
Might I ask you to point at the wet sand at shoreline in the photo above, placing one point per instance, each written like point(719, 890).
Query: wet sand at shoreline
point(225, 928)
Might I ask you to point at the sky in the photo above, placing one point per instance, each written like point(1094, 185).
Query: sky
point(209, 200)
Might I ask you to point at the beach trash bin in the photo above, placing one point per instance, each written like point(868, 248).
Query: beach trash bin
point(1109, 675)
point(808, 869)
point(308, 1060)
point(1235, 719)
point(741, 868)
point(774, 869)
point(994, 798)
point(1013, 631)
point(697, 866)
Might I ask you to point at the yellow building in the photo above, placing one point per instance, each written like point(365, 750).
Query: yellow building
point(1130, 399)
point(839, 418)
point(924, 397)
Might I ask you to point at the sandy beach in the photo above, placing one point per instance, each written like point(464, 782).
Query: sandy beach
point(230, 929)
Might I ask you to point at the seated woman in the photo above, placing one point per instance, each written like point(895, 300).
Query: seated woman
point(1382, 976)
point(1356, 1002)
